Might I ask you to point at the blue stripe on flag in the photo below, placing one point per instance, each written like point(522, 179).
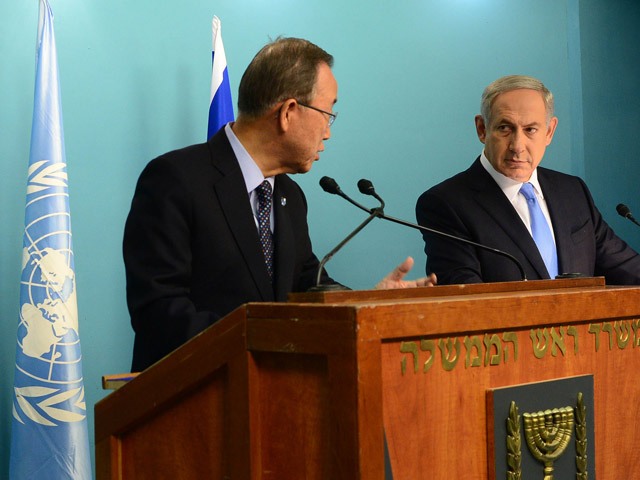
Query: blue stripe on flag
point(221, 108)
point(220, 102)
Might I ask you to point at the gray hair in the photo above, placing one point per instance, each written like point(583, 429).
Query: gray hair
point(285, 68)
point(514, 82)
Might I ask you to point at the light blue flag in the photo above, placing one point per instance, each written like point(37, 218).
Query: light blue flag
point(49, 438)
point(220, 103)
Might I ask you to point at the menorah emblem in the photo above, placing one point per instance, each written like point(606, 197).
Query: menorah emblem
point(548, 434)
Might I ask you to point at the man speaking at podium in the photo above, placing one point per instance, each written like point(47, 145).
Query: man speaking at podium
point(219, 224)
point(547, 220)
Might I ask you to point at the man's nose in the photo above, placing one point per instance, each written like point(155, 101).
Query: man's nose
point(516, 144)
point(327, 133)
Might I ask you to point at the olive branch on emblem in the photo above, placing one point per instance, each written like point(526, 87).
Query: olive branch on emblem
point(40, 404)
point(514, 452)
point(52, 176)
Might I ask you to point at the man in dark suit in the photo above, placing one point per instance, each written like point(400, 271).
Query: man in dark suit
point(485, 203)
point(200, 216)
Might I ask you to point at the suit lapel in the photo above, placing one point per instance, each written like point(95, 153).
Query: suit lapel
point(491, 198)
point(231, 191)
point(284, 243)
point(559, 219)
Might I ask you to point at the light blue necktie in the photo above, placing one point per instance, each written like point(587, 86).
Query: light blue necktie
point(540, 231)
point(264, 227)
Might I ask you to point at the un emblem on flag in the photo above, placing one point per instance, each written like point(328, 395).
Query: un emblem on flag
point(48, 386)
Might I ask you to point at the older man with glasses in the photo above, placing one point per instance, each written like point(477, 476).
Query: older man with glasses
point(215, 225)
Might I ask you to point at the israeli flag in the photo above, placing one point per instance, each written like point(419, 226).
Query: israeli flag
point(220, 103)
point(49, 436)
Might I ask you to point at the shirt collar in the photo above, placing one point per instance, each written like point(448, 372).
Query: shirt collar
point(250, 171)
point(510, 187)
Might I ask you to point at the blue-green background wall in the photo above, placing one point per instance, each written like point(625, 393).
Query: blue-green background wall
point(135, 83)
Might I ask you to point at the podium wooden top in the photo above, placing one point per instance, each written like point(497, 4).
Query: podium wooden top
point(326, 319)
point(357, 296)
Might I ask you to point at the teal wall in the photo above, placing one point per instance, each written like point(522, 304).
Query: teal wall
point(135, 83)
point(611, 84)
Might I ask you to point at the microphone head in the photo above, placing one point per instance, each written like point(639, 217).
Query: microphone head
point(329, 185)
point(366, 187)
point(623, 210)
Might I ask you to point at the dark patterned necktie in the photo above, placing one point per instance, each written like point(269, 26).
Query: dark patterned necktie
point(264, 224)
point(540, 231)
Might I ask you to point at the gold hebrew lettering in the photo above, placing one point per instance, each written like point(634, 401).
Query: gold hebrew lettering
point(607, 327)
point(512, 338)
point(539, 346)
point(557, 342)
point(449, 357)
point(470, 343)
point(623, 334)
point(635, 325)
point(409, 347)
point(428, 346)
point(596, 328)
point(490, 341)
point(573, 331)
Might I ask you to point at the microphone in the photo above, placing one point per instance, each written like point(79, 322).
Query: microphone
point(625, 212)
point(329, 185)
point(366, 187)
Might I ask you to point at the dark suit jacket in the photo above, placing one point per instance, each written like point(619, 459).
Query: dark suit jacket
point(191, 247)
point(472, 205)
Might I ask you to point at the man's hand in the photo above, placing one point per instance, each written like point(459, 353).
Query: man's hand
point(395, 278)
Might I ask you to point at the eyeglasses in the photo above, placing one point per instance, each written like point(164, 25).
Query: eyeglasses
point(332, 116)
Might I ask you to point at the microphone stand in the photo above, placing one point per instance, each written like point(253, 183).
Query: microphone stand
point(373, 213)
point(329, 185)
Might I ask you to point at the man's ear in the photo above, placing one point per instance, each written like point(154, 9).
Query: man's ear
point(481, 128)
point(286, 112)
point(551, 128)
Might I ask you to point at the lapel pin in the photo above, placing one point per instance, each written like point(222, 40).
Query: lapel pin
point(283, 201)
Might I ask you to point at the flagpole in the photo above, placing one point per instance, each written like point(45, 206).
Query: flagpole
point(49, 437)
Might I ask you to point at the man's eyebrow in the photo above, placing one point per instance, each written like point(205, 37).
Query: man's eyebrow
point(503, 120)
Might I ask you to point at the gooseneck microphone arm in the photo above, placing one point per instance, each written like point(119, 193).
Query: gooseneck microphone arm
point(374, 213)
point(366, 187)
point(625, 212)
point(329, 185)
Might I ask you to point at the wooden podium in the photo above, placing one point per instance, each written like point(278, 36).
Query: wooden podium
point(311, 388)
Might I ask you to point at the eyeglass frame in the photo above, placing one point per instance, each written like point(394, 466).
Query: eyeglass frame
point(332, 115)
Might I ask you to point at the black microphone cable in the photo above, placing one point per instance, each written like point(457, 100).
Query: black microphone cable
point(366, 187)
